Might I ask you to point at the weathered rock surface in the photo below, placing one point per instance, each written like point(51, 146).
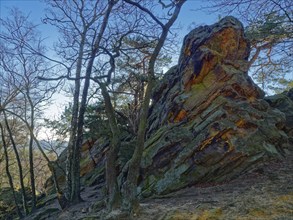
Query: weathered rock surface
point(284, 102)
point(209, 122)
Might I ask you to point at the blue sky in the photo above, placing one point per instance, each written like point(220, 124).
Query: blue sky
point(36, 9)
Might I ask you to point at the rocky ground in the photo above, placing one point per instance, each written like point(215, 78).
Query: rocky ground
point(265, 193)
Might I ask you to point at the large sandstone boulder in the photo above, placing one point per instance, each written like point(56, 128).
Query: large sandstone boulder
point(209, 121)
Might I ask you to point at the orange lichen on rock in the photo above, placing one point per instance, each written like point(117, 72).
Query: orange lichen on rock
point(241, 123)
point(228, 44)
point(238, 156)
point(224, 45)
point(219, 137)
point(180, 116)
point(206, 143)
point(207, 66)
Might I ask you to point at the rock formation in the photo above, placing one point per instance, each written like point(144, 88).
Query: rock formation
point(208, 123)
point(284, 102)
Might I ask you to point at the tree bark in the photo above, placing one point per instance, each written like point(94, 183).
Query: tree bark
point(114, 201)
point(71, 160)
point(31, 156)
point(24, 197)
point(8, 172)
point(75, 169)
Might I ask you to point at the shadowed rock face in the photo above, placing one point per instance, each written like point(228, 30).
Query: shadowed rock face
point(284, 102)
point(208, 123)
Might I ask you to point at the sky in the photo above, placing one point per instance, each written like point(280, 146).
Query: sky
point(189, 17)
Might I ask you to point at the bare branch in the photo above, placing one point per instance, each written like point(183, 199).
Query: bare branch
point(145, 10)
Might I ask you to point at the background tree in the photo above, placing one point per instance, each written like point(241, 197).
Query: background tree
point(10, 179)
point(19, 164)
point(21, 67)
point(10, 94)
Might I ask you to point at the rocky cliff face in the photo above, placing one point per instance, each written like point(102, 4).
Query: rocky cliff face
point(209, 122)
point(284, 103)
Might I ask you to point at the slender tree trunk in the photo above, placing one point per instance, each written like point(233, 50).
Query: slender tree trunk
point(24, 198)
point(75, 170)
point(130, 201)
point(31, 156)
point(112, 154)
point(78, 125)
point(8, 172)
point(32, 174)
point(71, 160)
point(75, 166)
point(63, 202)
point(61, 197)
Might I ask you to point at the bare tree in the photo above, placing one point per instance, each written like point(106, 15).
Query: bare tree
point(136, 27)
point(93, 36)
point(130, 186)
point(22, 67)
point(83, 24)
point(20, 169)
point(10, 94)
